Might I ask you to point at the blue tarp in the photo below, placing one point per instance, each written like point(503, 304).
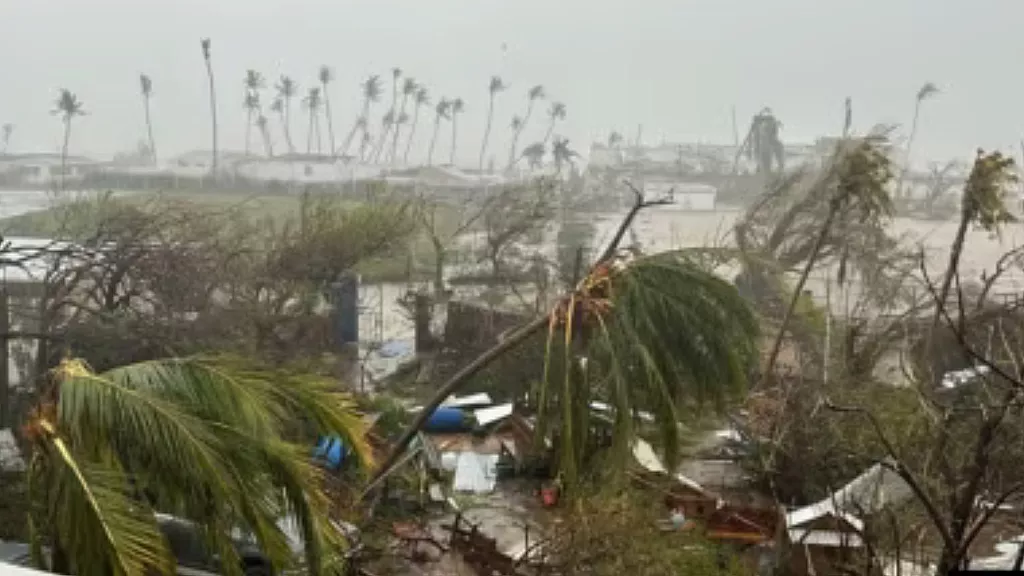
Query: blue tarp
point(332, 451)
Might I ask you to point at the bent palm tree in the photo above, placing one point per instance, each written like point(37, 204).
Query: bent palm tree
point(927, 91)
point(391, 115)
point(422, 99)
point(268, 147)
point(535, 93)
point(493, 88)
point(624, 319)
point(458, 106)
point(201, 438)
point(371, 94)
point(534, 154)
point(286, 90)
point(326, 76)
point(205, 45)
point(409, 88)
point(440, 113)
point(253, 84)
point(561, 154)
point(146, 85)
point(555, 113)
point(312, 102)
point(278, 107)
point(67, 107)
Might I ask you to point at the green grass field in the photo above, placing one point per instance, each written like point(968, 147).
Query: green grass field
point(59, 219)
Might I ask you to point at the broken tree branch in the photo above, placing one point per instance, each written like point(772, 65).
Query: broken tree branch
point(525, 331)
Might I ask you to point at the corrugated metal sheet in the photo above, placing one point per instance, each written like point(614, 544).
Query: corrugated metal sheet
point(481, 399)
point(477, 473)
point(827, 538)
point(485, 416)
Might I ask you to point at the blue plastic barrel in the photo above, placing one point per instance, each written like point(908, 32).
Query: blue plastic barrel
point(447, 420)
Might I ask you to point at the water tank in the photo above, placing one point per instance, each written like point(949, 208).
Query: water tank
point(448, 420)
point(346, 309)
point(331, 451)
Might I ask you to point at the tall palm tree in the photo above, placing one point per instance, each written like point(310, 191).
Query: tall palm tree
point(326, 75)
point(67, 107)
point(496, 85)
point(253, 110)
point(385, 128)
point(391, 115)
point(8, 129)
point(458, 106)
point(268, 147)
point(562, 154)
point(371, 94)
point(409, 88)
point(441, 112)
point(422, 99)
point(287, 89)
point(146, 85)
point(555, 113)
point(312, 102)
point(516, 126)
point(277, 106)
point(254, 83)
point(925, 92)
point(534, 94)
point(205, 45)
point(204, 439)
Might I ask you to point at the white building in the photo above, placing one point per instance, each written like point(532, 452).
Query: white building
point(44, 169)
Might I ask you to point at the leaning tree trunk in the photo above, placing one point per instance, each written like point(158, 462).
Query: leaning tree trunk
point(433, 141)
point(287, 115)
point(213, 118)
point(910, 144)
point(498, 350)
point(455, 133)
point(798, 290)
point(64, 153)
point(149, 132)
point(330, 122)
point(412, 135)
point(248, 131)
point(487, 133)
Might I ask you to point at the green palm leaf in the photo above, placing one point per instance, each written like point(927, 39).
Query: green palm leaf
point(659, 334)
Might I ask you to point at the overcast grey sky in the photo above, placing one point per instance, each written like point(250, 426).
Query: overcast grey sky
point(675, 66)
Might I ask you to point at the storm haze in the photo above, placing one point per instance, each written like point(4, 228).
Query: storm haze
point(676, 67)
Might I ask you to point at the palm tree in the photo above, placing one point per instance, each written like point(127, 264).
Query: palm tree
point(268, 147)
point(534, 154)
point(458, 106)
point(493, 88)
point(422, 99)
point(253, 109)
point(385, 128)
point(371, 94)
point(254, 82)
point(516, 126)
point(534, 94)
point(146, 84)
point(409, 88)
point(286, 90)
point(278, 107)
point(391, 115)
point(312, 102)
point(67, 107)
point(561, 154)
point(205, 45)
point(8, 129)
point(614, 140)
point(623, 317)
point(555, 113)
point(441, 112)
point(326, 76)
point(925, 92)
point(204, 439)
